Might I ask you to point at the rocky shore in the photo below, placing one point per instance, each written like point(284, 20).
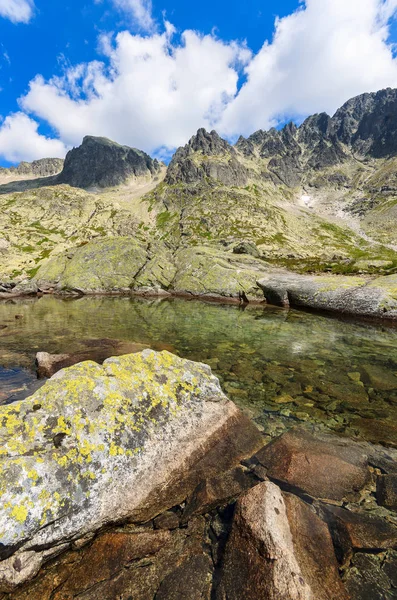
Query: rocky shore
point(125, 266)
point(140, 479)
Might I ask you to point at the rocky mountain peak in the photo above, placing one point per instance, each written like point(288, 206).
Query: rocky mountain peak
point(206, 156)
point(44, 167)
point(209, 144)
point(100, 162)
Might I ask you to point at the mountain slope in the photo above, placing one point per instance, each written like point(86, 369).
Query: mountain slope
point(321, 196)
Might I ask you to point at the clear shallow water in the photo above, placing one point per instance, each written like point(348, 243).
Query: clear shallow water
point(281, 367)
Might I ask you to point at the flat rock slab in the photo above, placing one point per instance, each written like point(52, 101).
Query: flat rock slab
point(278, 550)
point(346, 295)
point(104, 444)
point(322, 466)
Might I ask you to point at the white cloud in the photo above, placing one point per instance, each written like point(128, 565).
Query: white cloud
point(17, 11)
point(20, 140)
point(140, 12)
point(154, 93)
point(155, 90)
point(322, 55)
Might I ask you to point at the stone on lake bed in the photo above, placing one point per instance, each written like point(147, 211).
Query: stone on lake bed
point(103, 444)
point(97, 350)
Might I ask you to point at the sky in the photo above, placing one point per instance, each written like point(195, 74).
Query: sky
point(149, 73)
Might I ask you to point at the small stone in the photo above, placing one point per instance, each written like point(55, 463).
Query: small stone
point(285, 399)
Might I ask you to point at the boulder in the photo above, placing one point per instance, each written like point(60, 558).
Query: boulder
point(278, 550)
point(322, 466)
point(346, 295)
point(359, 531)
point(103, 444)
point(204, 271)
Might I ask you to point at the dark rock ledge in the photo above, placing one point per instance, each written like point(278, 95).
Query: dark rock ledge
point(140, 480)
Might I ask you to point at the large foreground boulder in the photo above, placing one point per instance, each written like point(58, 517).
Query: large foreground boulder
point(105, 444)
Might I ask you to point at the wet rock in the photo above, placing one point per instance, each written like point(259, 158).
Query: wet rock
point(379, 378)
point(377, 431)
point(97, 350)
point(366, 580)
point(279, 550)
point(386, 491)
point(102, 444)
point(359, 531)
point(324, 466)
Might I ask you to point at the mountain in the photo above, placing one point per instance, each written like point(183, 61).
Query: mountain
point(318, 197)
point(99, 162)
point(44, 167)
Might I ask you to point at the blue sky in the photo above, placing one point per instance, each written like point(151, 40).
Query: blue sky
point(149, 74)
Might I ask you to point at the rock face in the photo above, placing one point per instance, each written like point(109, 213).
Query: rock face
point(206, 156)
point(99, 162)
point(279, 550)
point(105, 444)
point(348, 295)
point(365, 124)
point(128, 265)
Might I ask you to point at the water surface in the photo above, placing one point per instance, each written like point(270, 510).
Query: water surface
point(282, 367)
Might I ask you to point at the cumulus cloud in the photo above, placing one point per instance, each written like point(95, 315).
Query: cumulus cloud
point(153, 93)
point(139, 10)
point(18, 11)
point(20, 140)
point(155, 90)
point(323, 54)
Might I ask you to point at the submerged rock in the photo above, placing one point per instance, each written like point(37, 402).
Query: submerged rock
point(97, 350)
point(103, 444)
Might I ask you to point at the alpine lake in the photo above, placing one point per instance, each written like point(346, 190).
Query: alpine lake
point(282, 367)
